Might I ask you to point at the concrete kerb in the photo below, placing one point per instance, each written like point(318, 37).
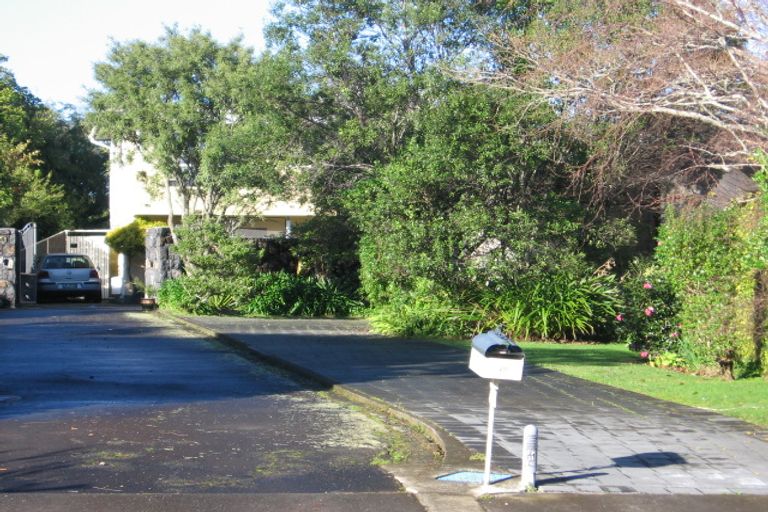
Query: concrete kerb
point(417, 479)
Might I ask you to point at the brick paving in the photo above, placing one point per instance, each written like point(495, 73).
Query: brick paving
point(592, 438)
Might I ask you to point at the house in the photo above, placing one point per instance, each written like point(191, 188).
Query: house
point(130, 198)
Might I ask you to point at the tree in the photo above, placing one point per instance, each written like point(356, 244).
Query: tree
point(370, 67)
point(187, 104)
point(52, 154)
point(682, 84)
point(478, 196)
point(26, 193)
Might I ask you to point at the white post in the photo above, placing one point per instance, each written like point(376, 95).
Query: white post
point(492, 395)
point(123, 270)
point(530, 456)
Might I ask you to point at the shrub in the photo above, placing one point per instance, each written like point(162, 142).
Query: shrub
point(557, 305)
point(551, 306)
point(129, 239)
point(283, 294)
point(715, 260)
point(207, 248)
point(204, 295)
point(648, 318)
point(426, 310)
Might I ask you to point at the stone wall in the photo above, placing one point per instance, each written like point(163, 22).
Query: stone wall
point(161, 262)
point(7, 267)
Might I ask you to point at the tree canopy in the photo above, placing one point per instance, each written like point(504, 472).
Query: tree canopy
point(676, 91)
point(51, 174)
point(192, 107)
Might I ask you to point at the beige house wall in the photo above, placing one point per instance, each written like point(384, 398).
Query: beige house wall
point(129, 198)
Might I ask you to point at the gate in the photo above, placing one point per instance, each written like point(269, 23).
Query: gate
point(27, 248)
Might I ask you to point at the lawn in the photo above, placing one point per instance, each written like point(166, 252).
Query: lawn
point(614, 365)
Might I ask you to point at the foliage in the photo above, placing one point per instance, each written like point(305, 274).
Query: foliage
point(553, 305)
point(26, 194)
point(283, 294)
point(45, 153)
point(326, 246)
point(370, 67)
point(715, 260)
point(673, 90)
point(264, 294)
point(129, 239)
point(208, 249)
point(223, 277)
point(192, 107)
point(467, 202)
point(204, 295)
point(648, 320)
point(425, 310)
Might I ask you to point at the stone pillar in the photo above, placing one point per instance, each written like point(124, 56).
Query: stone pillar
point(162, 263)
point(7, 267)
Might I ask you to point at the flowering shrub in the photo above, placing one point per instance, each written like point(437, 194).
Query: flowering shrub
point(648, 321)
point(715, 260)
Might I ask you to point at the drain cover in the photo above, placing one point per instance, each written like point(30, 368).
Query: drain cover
point(472, 477)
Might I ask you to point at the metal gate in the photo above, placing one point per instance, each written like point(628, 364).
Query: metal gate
point(27, 248)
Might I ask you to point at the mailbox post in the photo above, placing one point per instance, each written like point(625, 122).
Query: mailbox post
point(493, 356)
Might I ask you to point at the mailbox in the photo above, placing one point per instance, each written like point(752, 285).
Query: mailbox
point(494, 356)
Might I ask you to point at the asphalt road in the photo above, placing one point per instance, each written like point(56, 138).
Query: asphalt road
point(107, 400)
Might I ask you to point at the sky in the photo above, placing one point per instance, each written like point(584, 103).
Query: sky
point(52, 45)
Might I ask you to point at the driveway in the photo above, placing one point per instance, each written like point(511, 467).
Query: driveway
point(106, 399)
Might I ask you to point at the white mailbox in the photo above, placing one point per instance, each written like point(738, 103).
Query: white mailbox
point(494, 356)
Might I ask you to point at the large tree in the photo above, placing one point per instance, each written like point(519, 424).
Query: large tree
point(192, 107)
point(675, 90)
point(370, 66)
point(51, 174)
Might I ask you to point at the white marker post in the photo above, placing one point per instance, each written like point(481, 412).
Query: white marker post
point(492, 397)
point(530, 457)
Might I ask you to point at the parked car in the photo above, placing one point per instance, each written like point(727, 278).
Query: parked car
point(68, 275)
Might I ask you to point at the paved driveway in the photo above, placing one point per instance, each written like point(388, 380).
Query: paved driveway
point(105, 399)
point(593, 438)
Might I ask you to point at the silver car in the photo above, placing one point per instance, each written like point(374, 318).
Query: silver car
point(68, 275)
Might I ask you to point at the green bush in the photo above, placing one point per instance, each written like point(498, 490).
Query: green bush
point(648, 318)
point(283, 294)
point(556, 305)
point(203, 295)
point(551, 306)
point(426, 310)
point(267, 294)
point(129, 239)
point(208, 248)
point(714, 260)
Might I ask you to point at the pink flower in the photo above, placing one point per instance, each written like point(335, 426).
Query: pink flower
point(620, 317)
point(649, 311)
point(644, 354)
point(647, 285)
point(675, 334)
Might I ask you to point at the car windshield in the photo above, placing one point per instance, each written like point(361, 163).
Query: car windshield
point(55, 262)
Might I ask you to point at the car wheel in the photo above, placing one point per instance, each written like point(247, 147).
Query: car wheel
point(94, 298)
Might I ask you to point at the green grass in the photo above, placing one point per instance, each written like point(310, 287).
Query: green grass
point(614, 365)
